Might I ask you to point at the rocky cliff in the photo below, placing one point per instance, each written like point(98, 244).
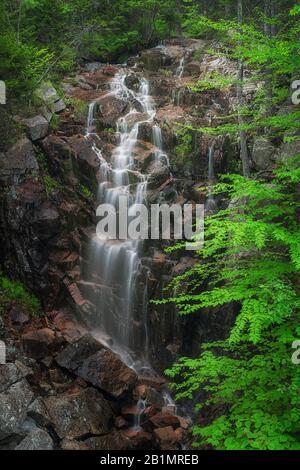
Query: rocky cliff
point(61, 387)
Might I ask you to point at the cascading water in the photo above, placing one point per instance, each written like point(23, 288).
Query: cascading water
point(114, 264)
point(180, 68)
point(211, 204)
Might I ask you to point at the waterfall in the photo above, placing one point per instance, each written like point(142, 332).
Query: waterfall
point(211, 170)
point(211, 204)
point(141, 405)
point(115, 264)
point(180, 68)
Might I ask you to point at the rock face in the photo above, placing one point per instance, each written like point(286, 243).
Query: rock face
point(263, 154)
point(98, 365)
point(19, 160)
point(82, 395)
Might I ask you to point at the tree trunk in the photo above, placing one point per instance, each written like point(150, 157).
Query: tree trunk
point(242, 133)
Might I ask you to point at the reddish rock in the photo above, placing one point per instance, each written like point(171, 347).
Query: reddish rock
point(121, 423)
point(40, 343)
point(167, 438)
point(111, 109)
point(140, 392)
point(139, 439)
point(162, 419)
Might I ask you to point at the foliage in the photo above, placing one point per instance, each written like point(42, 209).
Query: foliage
point(184, 146)
point(15, 292)
point(85, 192)
point(250, 258)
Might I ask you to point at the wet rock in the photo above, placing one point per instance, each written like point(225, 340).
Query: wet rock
point(144, 154)
point(132, 82)
point(37, 127)
point(40, 343)
point(99, 366)
point(159, 174)
point(14, 402)
point(84, 412)
point(111, 108)
point(37, 439)
point(164, 419)
point(19, 160)
point(263, 154)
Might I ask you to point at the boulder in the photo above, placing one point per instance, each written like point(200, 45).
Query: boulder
point(37, 439)
point(159, 174)
point(111, 108)
point(164, 419)
point(40, 343)
point(38, 412)
point(18, 317)
point(93, 362)
point(59, 106)
point(47, 94)
point(132, 82)
point(84, 412)
point(14, 402)
point(263, 153)
point(18, 160)
point(11, 373)
point(139, 439)
point(167, 438)
point(37, 127)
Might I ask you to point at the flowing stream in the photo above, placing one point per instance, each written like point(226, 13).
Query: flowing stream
point(115, 264)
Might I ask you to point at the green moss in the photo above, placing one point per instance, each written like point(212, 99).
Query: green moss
point(55, 122)
point(184, 147)
point(80, 108)
point(50, 184)
point(13, 291)
point(85, 191)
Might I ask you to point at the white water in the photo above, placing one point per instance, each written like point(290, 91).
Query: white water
point(211, 204)
point(114, 264)
point(180, 68)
